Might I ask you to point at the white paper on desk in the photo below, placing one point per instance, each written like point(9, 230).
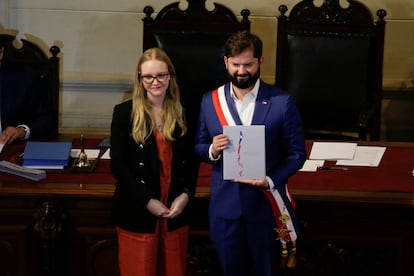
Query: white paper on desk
point(365, 156)
point(106, 154)
point(312, 165)
point(332, 150)
point(244, 157)
point(91, 153)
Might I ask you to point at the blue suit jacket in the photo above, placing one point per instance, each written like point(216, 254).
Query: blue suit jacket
point(22, 100)
point(285, 152)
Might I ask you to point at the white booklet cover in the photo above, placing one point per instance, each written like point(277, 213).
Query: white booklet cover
point(332, 150)
point(244, 156)
point(369, 156)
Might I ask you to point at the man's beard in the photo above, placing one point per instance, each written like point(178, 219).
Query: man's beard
point(244, 83)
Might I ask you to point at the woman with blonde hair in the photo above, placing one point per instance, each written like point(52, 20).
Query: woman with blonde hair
point(150, 159)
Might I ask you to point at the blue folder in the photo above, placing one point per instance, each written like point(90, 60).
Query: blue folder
point(46, 155)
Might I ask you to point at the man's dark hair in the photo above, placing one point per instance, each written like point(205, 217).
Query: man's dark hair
point(241, 41)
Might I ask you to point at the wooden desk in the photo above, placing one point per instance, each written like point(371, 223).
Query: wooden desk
point(62, 225)
point(58, 226)
point(356, 222)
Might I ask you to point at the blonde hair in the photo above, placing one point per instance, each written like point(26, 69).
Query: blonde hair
point(172, 112)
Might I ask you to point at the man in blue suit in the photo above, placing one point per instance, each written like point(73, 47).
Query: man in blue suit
point(24, 111)
point(252, 222)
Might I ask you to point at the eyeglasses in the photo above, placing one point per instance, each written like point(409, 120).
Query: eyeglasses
point(149, 79)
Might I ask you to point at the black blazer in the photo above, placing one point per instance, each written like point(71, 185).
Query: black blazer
point(23, 101)
point(136, 169)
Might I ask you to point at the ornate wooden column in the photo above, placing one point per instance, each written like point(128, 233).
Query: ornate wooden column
point(49, 219)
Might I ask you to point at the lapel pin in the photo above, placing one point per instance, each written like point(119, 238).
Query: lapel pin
point(264, 103)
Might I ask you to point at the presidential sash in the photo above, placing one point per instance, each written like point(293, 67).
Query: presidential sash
point(286, 231)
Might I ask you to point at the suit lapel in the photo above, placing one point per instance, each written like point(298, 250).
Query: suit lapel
point(262, 106)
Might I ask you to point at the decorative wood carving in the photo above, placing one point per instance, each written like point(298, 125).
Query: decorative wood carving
point(48, 224)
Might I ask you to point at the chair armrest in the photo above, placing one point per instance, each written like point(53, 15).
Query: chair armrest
point(365, 119)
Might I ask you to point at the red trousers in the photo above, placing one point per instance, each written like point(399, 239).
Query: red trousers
point(160, 254)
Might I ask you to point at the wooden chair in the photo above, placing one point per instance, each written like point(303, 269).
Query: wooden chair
point(331, 59)
point(194, 40)
point(47, 69)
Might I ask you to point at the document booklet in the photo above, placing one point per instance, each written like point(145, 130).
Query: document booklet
point(244, 156)
point(46, 155)
point(311, 165)
point(33, 174)
point(369, 156)
point(106, 154)
point(332, 150)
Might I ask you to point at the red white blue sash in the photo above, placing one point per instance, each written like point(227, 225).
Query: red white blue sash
point(221, 107)
point(286, 229)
